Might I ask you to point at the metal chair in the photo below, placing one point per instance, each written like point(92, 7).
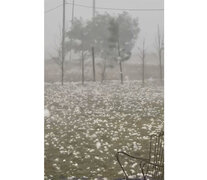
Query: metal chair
point(152, 168)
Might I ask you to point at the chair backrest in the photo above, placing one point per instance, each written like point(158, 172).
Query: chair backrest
point(155, 167)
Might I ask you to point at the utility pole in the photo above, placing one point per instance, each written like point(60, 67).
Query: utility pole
point(93, 51)
point(72, 19)
point(73, 11)
point(63, 43)
point(94, 8)
point(159, 51)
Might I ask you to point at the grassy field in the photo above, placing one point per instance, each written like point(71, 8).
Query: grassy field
point(86, 125)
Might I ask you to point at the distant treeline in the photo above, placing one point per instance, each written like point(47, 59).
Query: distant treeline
point(132, 71)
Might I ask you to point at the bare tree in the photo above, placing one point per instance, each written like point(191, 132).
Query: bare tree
point(159, 46)
point(60, 58)
point(57, 57)
point(142, 55)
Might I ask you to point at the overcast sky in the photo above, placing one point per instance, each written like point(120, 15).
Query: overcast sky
point(148, 20)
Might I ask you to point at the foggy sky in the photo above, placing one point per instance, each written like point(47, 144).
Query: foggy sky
point(148, 20)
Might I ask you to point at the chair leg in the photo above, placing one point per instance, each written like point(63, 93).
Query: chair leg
point(117, 157)
point(142, 169)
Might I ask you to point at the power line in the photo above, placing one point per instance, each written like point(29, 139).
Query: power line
point(49, 10)
point(105, 8)
point(116, 9)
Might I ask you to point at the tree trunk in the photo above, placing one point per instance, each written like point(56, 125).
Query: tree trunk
point(143, 62)
point(93, 61)
point(143, 70)
point(120, 65)
point(103, 72)
point(121, 72)
point(62, 73)
point(160, 62)
point(82, 65)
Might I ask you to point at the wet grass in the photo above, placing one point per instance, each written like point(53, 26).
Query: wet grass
point(114, 116)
